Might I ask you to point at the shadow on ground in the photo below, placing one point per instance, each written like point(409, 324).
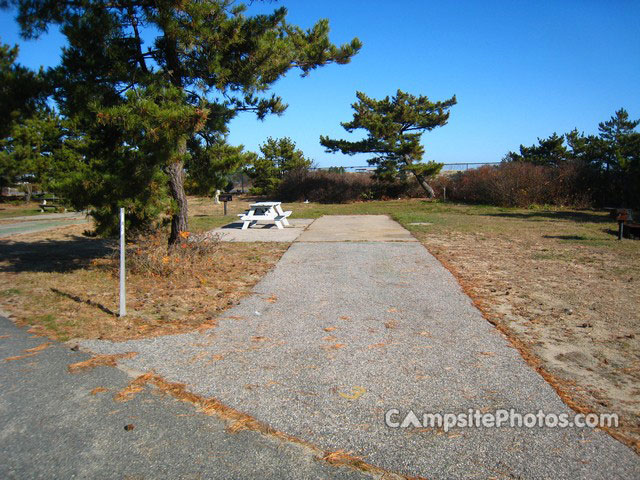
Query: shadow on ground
point(52, 255)
point(238, 226)
point(593, 217)
point(86, 301)
point(566, 237)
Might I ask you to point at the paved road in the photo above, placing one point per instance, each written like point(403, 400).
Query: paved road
point(51, 426)
point(342, 331)
point(22, 225)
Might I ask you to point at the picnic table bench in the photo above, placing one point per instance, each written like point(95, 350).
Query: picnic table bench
point(265, 211)
point(53, 206)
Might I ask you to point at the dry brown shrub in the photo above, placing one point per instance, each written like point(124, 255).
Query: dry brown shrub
point(151, 255)
point(517, 184)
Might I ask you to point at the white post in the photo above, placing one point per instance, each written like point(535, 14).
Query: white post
point(123, 292)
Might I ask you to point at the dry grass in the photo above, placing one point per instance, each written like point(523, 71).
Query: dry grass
point(39, 348)
point(18, 209)
point(133, 388)
point(29, 352)
point(572, 309)
point(19, 357)
point(66, 285)
point(567, 297)
point(206, 215)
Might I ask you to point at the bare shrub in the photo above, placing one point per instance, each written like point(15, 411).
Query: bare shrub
point(325, 187)
point(517, 184)
point(334, 187)
point(151, 255)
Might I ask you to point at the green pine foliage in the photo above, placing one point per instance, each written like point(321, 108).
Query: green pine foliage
point(149, 112)
point(22, 91)
point(278, 157)
point(28, 130)
point(209, 164)
point(549, 151)
point(394, 127)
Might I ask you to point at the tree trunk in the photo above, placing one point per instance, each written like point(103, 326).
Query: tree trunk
point(423, 183)
point(28, 192)
point(179, 221)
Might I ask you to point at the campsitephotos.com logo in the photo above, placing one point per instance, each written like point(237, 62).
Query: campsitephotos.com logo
point(498, 419)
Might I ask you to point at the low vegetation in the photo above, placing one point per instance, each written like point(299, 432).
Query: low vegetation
point(563, 170)
point(342, 187)
point(10, 210)
point(518, 184)
point(65, 285)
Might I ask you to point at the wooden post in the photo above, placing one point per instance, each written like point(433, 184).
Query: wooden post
point(226, 197)
point(622, 217)
point(620, 229)
point(123, 291)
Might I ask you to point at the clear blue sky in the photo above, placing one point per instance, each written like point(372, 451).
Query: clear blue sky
point(520, 70)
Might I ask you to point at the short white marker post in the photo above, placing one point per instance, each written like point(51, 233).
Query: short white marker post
point(123, 292)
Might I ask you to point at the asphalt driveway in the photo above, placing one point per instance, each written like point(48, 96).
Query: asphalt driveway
point(53, 426)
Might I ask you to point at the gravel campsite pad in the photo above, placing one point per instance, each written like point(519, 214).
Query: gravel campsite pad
point(341, 332)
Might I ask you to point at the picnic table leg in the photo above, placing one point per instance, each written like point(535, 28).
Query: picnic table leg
point(245, 224)
point(279, 224)
point(279, 211)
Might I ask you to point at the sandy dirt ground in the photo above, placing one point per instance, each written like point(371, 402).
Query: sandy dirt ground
point(575, 307)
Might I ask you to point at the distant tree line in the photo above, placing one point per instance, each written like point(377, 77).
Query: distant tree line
point(608, 163)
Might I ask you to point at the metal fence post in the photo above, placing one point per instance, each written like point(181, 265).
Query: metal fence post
point(123, 291)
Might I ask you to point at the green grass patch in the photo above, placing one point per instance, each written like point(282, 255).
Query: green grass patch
point(204, 223)
point(9, 292)
point(9, 211)
point(566, 227)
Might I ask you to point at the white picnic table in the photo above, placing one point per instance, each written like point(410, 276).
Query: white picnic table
point(265, 211)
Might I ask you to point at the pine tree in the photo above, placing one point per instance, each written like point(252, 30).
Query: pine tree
point(31, 135)
point(622, 140)
point(146, 111)
point(22, 91)
point(278, 157)
point(394, 127)
point(210, 166)
point(549, 151)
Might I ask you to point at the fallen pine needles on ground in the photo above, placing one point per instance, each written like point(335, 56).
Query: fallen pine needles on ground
point(68, 287)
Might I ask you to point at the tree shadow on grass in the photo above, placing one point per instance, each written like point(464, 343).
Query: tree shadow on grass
point(52, 255)
point(566, 237)
point(86, 301)
point(580, 217)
